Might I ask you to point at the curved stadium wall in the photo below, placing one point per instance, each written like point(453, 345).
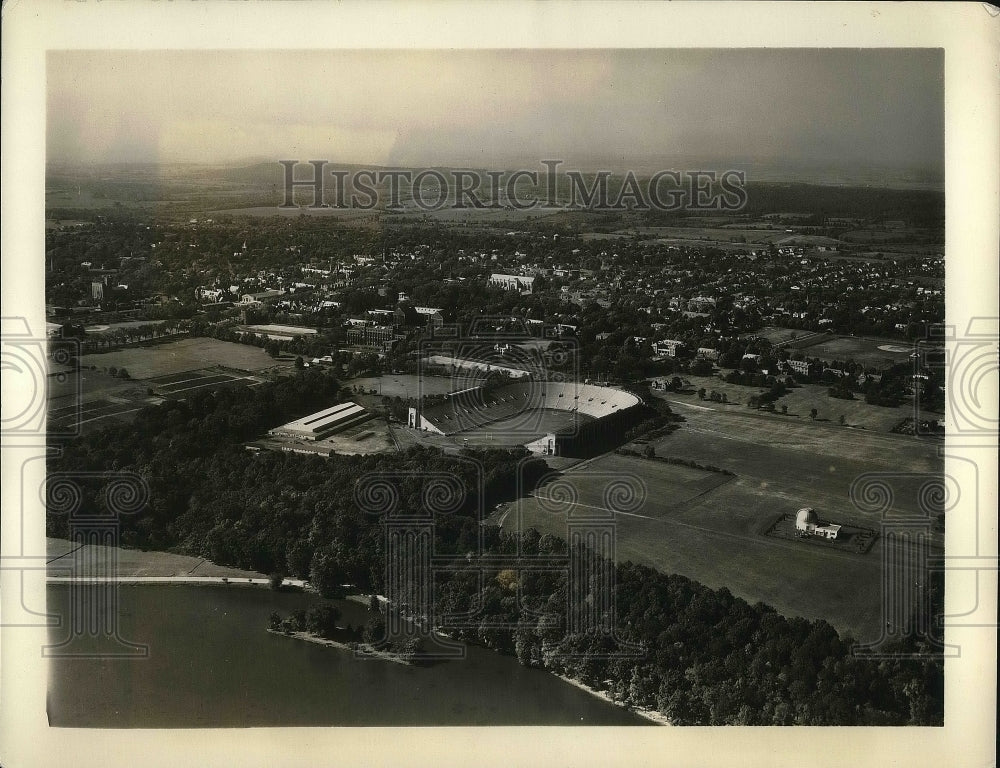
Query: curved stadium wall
point(610, 413)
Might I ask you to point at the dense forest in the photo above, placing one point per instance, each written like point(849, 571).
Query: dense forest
point(700, 656)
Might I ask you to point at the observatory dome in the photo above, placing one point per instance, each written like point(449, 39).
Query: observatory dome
point(806, 516)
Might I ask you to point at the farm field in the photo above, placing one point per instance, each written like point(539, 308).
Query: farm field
point(725, 234)
point(178, 356)
point(711, 527)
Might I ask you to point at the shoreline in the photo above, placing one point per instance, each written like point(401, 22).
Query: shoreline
point(360, 651)
point(654, 717)
point(175, 569)
point(72, 559)
point(189, 581)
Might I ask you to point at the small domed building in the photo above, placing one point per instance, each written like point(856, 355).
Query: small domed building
point(807, 524)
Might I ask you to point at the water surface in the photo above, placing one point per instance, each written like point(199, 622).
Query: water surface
point(211, 663)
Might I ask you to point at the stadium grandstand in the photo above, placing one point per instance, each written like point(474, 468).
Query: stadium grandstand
point(599, 415)
point(323, 423)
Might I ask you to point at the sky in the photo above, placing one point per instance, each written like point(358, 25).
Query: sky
point(842, 110)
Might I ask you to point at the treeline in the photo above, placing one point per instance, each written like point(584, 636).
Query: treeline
point(701, 656)
point(275, 512)
point(649, 453)
point(698, 655)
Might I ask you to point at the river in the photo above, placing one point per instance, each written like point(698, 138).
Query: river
point(211, 663)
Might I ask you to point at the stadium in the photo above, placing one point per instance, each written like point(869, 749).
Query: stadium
point(548, 418)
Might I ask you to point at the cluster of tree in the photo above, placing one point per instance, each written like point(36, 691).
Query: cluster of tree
point(697, 655)
point(841, 390)
point(746, 379)
point(119, 337)
point(276, 512)
point(922, 208)
point(648, 452)
point(703, 656)
point(320, 619)
point(715, 397)
point(767, 399)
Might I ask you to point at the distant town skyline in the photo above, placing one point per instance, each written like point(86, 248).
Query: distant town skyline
point(833, 114)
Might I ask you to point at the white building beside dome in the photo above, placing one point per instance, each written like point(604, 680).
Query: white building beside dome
point(807, 523)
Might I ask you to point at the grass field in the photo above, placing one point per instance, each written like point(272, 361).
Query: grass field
point(183, 384)
point(712, 528)
point(67, 419)
point(520, 428)
point(778, 335)
point(868, 351)
point(405, 385)
point(180, 356)
point(800, 401)
point(723, 234)
point(90, 399)
point(64, 560)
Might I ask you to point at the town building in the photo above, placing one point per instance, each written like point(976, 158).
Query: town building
point(520, 283)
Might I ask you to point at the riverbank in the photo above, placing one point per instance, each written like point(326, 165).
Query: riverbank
point(647, 714)
point(296, 584)
point(361, 650)
point(67, 559)
point(70, 563)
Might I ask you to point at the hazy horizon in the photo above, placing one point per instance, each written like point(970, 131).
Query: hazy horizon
point(821, 114)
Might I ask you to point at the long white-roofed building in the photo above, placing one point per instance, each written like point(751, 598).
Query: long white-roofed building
point(318, 425)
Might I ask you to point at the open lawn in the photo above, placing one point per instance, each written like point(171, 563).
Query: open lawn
point(68, 419)
point(178, 356)
point(778, 335)
point(712, 528)
point(66, 559)
point(868, 351)
point(800, 401)
point(405, 385)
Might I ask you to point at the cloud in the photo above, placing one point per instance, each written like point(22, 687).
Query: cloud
point(426, 107)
